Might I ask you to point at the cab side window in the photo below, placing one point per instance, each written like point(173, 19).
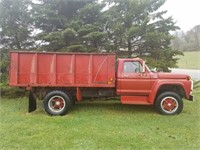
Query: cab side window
point(132, 67)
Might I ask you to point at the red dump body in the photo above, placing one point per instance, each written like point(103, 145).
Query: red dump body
point(64, 78)
point(42, 69)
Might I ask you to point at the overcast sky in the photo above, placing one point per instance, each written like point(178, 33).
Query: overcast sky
point(185, 12)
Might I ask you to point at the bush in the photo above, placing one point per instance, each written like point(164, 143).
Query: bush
point(12, 92)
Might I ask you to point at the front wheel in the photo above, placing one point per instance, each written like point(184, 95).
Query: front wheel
point(57, 103)
point(169, 103)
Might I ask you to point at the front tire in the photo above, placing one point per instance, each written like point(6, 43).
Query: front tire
point(169, 103)
point(57, 103)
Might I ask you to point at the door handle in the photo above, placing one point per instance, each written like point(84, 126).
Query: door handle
point(125, 75)
point(143, 75)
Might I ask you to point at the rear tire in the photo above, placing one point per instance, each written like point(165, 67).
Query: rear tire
point(57, 103)
point(169, 103)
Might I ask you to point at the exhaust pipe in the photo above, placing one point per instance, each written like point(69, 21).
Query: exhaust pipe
point(31, 102)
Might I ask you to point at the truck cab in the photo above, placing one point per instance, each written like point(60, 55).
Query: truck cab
point(136, 84)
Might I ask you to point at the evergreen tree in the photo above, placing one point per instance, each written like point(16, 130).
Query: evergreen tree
point(138, 27)
point(15, 24)
point(91, 31)
point(53, 19)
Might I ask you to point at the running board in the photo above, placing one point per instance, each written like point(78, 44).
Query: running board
point(137, 100)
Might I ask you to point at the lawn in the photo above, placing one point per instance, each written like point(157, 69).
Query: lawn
point(99, 125)
point(190, 60)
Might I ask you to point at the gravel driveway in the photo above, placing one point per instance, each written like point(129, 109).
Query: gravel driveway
point(195, 74)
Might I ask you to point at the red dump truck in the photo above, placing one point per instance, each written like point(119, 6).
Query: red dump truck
point(66, 78)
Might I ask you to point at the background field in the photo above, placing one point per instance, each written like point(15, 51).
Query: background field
point(190, 60)
point(99, 125)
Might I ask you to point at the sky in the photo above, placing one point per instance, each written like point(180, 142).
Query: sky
point(185, 12)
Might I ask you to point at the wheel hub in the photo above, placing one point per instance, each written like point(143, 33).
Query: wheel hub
point(169, 104)
point(57, 103)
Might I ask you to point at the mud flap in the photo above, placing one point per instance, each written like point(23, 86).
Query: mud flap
point(31, 103)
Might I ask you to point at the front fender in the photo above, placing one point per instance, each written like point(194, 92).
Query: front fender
point(157, 86)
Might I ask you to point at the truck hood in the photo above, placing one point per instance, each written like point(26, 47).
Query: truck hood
point(173, 76)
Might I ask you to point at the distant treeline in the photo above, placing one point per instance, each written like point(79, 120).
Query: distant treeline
point(187, 41)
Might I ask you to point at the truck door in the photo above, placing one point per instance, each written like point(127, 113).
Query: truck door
point(133, 81)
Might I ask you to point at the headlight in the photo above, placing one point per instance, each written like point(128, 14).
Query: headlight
point(192, 86)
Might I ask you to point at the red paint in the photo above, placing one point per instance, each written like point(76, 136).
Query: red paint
point(78, 94)
point(62, 69)
point(169, 104)
point(142, 87)
point(58, 103)
point(139, 100)
point(83, 70)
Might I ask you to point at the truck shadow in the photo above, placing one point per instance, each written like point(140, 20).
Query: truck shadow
point(109, 106)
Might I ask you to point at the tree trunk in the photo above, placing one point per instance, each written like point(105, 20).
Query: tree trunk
point(95, 43)
point(17, 42)
point(129, 48)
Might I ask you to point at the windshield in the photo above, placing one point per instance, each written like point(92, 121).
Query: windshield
point(147, 68)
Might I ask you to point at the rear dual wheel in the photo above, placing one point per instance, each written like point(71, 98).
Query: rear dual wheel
point(169, 103)
point(57, 103)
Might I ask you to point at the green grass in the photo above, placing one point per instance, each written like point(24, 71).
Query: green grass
point(99, 125)
point(190, 60)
